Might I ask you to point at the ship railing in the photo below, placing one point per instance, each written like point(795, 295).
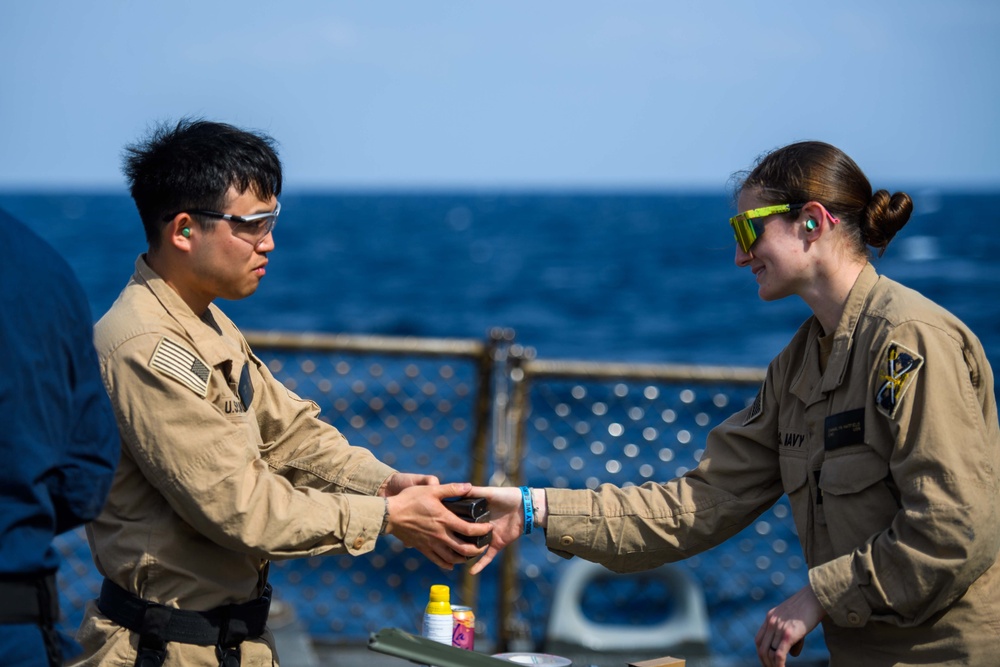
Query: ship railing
point(490, 412)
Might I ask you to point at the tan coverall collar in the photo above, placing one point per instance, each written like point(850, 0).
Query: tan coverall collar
point(210, 343)
point(804, 385)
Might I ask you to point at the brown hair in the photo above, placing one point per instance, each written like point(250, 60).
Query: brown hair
point(815, 171)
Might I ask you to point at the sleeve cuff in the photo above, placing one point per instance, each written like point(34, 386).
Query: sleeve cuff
point(839, 592)
point(365, 523)
point(569, 524)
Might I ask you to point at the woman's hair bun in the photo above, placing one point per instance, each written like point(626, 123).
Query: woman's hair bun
point(884, 216)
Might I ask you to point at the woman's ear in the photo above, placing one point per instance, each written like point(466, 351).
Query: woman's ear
point(811, 217)
point(818, 213)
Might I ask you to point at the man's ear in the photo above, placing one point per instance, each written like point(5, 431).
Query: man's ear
point(179, 232)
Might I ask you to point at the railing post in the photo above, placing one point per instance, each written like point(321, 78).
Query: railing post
point(480, 448)
point(512, 631)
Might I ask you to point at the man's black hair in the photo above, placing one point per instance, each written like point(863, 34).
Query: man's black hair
point(192, 166)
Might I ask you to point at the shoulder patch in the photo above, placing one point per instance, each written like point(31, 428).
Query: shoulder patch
point(896, 372)
point(757, 409)
point(177, 362)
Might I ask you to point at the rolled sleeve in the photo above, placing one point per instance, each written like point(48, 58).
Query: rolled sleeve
point(637, 528)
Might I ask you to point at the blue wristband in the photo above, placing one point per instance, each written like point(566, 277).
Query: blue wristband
point(529, 511)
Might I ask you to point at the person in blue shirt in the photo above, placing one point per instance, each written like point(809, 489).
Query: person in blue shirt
point(59, 443)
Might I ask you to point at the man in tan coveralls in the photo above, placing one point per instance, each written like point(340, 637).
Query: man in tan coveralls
point(222, 468)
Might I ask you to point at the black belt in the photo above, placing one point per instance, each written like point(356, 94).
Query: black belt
point(33, 599)
point(224, 627)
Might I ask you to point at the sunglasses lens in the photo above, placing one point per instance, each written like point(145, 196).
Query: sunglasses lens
point(746, 234)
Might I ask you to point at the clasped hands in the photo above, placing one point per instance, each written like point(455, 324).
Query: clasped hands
point(417, 517)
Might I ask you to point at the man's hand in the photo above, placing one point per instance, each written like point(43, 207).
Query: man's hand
point(398, 481)
point(506, 517)
point(786, 626)
point(419, 520)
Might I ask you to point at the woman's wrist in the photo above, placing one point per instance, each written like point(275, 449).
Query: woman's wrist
point(527, 510)
point(540, 508)
point(534, 509)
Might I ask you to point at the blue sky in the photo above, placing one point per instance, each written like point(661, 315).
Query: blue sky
point(513, 94)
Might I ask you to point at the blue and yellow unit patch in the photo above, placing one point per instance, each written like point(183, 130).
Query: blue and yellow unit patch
point(895, 376)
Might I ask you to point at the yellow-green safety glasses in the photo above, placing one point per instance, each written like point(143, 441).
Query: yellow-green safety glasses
point(747, 228)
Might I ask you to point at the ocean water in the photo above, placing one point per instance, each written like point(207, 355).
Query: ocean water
point(615, 277)
point(638, 277)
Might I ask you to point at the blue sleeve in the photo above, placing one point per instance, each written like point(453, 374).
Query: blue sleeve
point(92, 449)
point(59, 442)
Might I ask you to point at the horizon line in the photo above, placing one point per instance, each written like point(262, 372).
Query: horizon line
point(973, 187)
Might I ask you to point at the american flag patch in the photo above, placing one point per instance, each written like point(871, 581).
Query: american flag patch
point(757, 408)
point(173, 360)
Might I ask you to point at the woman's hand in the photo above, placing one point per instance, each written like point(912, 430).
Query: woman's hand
point(786, 626)
point(506, 517)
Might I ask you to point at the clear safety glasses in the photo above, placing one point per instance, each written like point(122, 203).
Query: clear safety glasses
point(251, 228)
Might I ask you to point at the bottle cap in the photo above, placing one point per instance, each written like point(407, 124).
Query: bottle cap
point(440, 593)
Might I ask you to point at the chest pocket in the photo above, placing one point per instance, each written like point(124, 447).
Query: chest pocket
point(857, 498)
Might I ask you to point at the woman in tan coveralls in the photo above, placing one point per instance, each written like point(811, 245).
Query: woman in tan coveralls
point(878, 420)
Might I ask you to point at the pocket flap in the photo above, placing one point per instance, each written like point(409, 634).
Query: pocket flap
point(852, 471)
